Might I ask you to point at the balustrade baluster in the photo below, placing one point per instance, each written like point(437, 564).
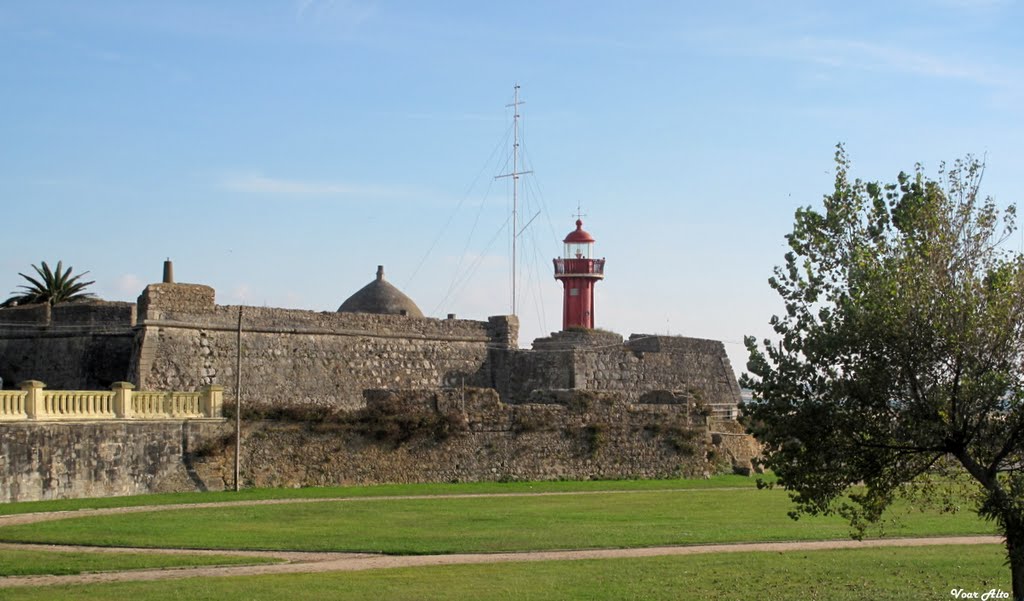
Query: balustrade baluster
point(79, 405)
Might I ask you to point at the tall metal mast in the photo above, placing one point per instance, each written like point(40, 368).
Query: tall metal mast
point(515, 186)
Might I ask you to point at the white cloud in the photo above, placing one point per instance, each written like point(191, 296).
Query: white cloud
point(975, 5)
point(841, 53)
point(256, 183)
point(348, 12)
point(446, 116)
point(240, 294)
point(129, 285)
point(844, 53)
point(294, 300)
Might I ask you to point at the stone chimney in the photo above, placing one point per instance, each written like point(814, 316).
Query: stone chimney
point(168, 271)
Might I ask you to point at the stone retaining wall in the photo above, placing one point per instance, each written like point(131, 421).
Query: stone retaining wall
point(470, 435)
point(399, 436)
point(101, 459)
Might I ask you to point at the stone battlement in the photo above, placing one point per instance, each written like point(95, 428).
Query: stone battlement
point(193, 306)
point(83, 314)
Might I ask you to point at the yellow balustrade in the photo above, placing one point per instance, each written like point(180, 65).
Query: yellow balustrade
point(72, 404)
point(12, 404)
point(34, 402)
point(167, 404)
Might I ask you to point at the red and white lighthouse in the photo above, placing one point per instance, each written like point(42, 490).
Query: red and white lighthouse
point(579, 272)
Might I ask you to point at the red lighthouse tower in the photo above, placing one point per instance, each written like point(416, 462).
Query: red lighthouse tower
point(579, 271)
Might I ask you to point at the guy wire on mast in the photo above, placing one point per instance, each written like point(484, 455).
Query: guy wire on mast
point(515, 186)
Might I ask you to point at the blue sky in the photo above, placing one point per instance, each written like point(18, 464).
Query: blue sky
point(280, 150)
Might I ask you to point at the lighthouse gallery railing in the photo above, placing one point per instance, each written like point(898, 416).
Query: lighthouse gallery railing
point(579, 267)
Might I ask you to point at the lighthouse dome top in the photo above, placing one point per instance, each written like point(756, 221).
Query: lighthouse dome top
point(579, 235)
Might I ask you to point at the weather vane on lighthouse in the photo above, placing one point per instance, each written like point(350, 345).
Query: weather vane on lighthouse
point(579, 271)
point(579, 211)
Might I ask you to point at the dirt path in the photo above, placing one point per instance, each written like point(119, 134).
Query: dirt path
point(345, 562)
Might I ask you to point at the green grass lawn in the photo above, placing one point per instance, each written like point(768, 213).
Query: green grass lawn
point(30, 563)
point(846, 575)
point(380, 490)
point(482, 524)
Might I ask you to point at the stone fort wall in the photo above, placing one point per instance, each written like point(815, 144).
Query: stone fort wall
point(178, 338)
point(100, 459)
point(639, 369)
point(575, 435)
point(580, 404)
point(184, 341)
point(77, 346)
point(437, 435)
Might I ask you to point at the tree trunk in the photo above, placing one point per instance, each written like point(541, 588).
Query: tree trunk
point(1015, 550)
point(1002, 508)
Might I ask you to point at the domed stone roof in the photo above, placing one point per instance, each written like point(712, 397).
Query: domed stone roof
point(380, 297)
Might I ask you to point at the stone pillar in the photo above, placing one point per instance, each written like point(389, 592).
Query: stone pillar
point(122, 399)
point(168, 271)
point(34, 399)
point(212, 401)
point(503, 330)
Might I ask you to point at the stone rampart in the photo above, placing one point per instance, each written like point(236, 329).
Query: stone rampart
point(436, 435)
point(516, 374)
point(101, 459)
point(693, 366)
point(601, 361)
point(289, 357)
point(82, 345)
point(454, 435)
point(371, 398)
point(37, 314)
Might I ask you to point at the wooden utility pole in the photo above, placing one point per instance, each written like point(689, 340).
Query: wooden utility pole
point(238, 401)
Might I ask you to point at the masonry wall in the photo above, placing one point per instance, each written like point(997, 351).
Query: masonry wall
point(471, 436)
point(601, 361)
point(439, 435)
point(100, 459)
point(697, 367)
point(182, 340)
point(289, 357)
point(580, 405)
point(516, 374)
point(77, 346)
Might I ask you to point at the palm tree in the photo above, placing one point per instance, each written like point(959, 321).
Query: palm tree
point(53, 287)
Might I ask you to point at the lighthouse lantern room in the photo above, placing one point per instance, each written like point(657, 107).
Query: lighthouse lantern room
point(578, 271)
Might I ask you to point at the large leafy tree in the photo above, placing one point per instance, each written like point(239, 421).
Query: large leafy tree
point(901, 350)
point(51, 286)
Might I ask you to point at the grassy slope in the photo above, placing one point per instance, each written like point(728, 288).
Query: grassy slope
point(251, 494)
point(29, 563)
point(483, 524)
point(912, 573)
